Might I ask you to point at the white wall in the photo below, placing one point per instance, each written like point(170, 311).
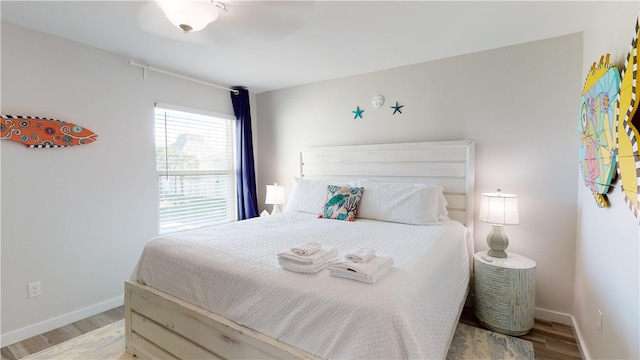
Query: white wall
point(518, 103)
point(607, 251)
point(76, 218)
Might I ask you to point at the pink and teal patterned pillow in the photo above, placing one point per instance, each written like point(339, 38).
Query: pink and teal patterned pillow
point(341, 202)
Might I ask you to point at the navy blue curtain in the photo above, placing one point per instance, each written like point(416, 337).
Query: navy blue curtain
point(246, 173)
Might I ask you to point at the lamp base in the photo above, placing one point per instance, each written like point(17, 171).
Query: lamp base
point(276, 209)
point(497, 253)
point(497, 241)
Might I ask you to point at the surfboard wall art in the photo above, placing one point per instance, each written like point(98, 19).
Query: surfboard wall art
point(37, 132)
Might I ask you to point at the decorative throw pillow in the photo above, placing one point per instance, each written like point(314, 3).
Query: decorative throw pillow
point(341, 202)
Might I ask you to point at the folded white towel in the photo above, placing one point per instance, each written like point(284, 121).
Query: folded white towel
point(297, 267)
point(368, 272)
point(361, 255)
point(354, 276)
point(306, 249)
point(318, 257)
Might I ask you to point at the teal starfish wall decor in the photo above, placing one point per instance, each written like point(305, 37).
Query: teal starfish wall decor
point(357, 112)
point(397, 108)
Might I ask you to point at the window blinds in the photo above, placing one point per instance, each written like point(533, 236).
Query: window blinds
point(195, 164)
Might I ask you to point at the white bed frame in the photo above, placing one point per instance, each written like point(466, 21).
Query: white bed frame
point(160, 326)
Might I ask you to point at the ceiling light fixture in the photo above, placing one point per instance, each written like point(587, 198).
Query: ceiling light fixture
point(191, 15)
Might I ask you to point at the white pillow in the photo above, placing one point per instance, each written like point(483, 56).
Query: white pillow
point(307, 196)
point(443, 213)
point(414, 204)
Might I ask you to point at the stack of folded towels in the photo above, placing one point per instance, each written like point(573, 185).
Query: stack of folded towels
point(362, 265)
point(306, 258)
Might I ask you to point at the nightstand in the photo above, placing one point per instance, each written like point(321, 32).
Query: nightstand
point(504, 292)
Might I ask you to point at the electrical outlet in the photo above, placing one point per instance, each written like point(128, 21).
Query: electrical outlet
point(600, 317)
point(34, 289)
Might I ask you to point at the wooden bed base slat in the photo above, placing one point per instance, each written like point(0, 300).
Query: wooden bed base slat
point(154, 319)
point(158, 335)
point(147, 350)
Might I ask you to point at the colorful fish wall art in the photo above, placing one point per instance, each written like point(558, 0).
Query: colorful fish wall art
point(37, 132)
point(628, 121)
point(597, 129)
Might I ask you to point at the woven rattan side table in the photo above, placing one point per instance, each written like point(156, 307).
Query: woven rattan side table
point(505, 292)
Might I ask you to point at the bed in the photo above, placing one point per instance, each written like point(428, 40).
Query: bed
point(219, 292)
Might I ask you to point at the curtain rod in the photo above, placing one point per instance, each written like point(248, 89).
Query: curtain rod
point(152, 68)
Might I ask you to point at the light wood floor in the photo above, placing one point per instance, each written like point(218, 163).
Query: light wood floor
point(40, 342)
point(551, 341)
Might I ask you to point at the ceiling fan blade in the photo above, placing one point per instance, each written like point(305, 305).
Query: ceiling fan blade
point(263, 20)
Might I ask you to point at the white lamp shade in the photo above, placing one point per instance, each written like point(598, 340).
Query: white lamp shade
point(275, 195)
point(194, 14)
point(499, 208)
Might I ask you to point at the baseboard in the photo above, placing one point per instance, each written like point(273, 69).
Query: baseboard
point(583, 350)
point(59, 321)
point(554, 316)
point(565, 319)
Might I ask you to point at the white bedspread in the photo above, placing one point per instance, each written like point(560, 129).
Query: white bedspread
point(232, 270)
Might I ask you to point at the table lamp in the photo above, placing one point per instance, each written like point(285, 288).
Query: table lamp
point(498, 209)
point(275, 196)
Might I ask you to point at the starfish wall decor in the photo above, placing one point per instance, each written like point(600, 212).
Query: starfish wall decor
point(397, 108)
point(357, 113)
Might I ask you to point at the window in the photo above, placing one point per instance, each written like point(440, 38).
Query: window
point(195, 164)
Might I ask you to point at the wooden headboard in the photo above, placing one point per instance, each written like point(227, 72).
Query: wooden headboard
point(449, 164)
